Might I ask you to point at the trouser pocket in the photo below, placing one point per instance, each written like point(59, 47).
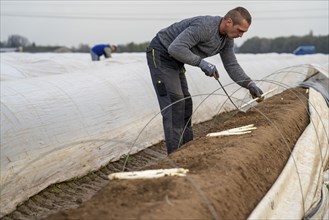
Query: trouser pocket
point(161, 87)
point(153, 58)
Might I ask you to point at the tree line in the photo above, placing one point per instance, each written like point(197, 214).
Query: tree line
point(284, 44)
point(252, 45)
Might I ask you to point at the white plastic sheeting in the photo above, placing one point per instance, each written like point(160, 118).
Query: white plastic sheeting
point(300, 190)
point(65, 120)
point(20, 66)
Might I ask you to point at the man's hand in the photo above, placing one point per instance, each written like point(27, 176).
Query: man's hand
point(209, 69)
point(255, 91)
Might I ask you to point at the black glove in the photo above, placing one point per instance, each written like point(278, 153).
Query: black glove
point(255, 91)
point(209, 69)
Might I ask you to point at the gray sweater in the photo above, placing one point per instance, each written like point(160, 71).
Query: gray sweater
point(193, 39)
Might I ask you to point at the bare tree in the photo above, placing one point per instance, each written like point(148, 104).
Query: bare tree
point(17, 41)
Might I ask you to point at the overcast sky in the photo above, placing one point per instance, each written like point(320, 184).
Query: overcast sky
point(70, 23)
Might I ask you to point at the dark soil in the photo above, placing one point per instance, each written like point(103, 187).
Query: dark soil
point(227, 175)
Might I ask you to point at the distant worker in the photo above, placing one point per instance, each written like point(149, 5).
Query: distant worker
point(102, 49)
point(188, 42)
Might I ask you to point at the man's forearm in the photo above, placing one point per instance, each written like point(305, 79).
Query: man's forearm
point(183, 54)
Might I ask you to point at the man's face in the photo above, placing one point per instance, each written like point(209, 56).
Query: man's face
point(237, 30)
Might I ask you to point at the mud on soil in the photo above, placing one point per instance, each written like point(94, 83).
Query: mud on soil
point(227, 176)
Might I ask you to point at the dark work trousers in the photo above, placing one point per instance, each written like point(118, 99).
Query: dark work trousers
point(169, 81)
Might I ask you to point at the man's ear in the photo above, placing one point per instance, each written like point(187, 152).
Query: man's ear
point(229, 22)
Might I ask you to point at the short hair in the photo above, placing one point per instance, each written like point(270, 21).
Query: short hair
point(115, 48)
point(238, 14)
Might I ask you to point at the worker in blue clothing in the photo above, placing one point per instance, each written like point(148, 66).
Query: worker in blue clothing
point(188, 42)
point(102, 49)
